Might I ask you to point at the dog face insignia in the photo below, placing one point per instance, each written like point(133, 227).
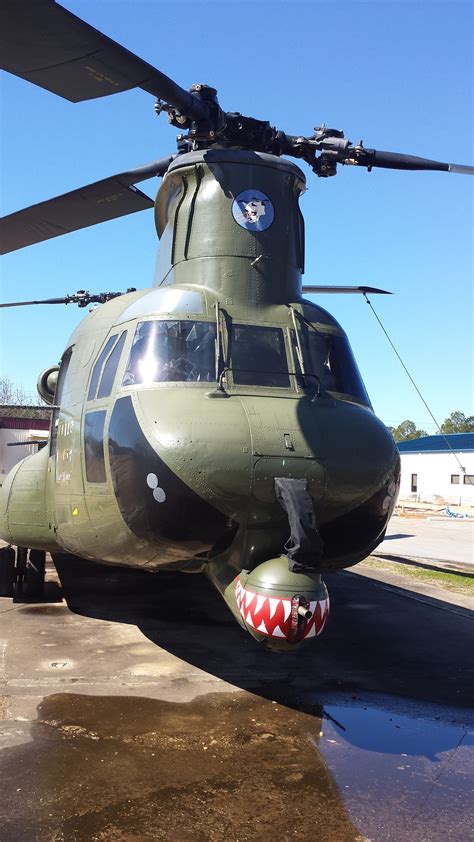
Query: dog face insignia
point(253, 210)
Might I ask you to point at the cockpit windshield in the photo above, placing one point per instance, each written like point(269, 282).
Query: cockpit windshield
point(329, 359)
point(164, 351)
point(185, 351)
point(258, 356)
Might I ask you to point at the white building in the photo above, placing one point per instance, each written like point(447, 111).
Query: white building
point(438, 469)
point(19, 425)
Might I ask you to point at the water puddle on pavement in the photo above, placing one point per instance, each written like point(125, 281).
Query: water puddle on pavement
point(401, 777)
point(232, 768)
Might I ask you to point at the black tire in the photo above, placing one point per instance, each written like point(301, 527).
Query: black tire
point(35, 570)
point(7, 571)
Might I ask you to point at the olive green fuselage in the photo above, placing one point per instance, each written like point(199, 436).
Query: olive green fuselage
point(159, 460)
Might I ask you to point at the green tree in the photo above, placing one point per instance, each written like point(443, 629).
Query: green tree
point(457, 422)
point(407, 430)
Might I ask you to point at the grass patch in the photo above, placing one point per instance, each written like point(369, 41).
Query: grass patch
point(447, 579)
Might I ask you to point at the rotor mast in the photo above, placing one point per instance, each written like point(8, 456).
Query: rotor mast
point(44, 43)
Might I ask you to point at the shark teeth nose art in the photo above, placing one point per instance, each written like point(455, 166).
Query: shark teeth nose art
point(272, 615)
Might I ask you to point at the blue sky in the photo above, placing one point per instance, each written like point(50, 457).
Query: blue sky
point(399, 75)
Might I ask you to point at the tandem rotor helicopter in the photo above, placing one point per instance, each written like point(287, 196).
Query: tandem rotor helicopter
point(216, 422)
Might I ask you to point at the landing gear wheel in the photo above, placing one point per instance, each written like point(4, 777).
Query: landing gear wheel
point(7, 571)
point(35, 570)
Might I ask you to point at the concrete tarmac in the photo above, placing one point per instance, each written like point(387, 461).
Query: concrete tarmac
point(135, 708)
point(450, 540)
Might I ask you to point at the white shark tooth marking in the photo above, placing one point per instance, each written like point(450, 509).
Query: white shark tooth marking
point(274, 603)
point(277, 632)
point(287, 607)
point(260, 602)
point(249, 620)
point(312, 606)
point(262, 628)
point(312, 631)
point(249, 597)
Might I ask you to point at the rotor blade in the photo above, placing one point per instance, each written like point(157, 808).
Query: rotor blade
point(98, 202)
point(27, 303)
point(397, 161)
point(462, 169)
point(361, 290)
point(46, 44)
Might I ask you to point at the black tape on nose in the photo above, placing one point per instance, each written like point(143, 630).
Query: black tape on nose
point(304, 547)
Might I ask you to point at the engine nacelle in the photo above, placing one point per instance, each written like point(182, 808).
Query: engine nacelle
point(47, 382)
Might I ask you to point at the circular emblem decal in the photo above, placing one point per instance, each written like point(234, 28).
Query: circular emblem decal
point(253, 210)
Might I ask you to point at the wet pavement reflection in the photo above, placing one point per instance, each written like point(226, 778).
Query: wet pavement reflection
point(124, 720)
point(234, 767)
point(220, 768)
point(402, 777)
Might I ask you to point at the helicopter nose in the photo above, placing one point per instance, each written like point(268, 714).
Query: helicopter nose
point(362, 481)
point(359, 455)
point(342, 449)
point(352, 468)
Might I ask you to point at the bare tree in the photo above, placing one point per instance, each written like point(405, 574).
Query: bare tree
point(13, 395)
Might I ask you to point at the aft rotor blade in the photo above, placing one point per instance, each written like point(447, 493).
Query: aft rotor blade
point(397, 161)
point(344, 290)
point(101, 201)
point(46, 44)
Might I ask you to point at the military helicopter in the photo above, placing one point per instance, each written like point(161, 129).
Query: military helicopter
point(216, 422)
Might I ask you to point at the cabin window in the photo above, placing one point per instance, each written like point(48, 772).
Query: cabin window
point(454, 479)
point(328, 360)
point(110, 368)
point(165, 351)
point(468, 479)
point(58, 396)
point(98, 366)
point(94, 446)
point(258, 356)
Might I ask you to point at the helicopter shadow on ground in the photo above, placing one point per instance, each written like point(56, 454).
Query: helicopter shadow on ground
point(398, 535)
point(377, 640)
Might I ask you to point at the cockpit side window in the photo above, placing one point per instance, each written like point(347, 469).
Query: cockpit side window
point(94, 446)
point(98, 366)
point(110, 368)
point(329, 360)
point(258, 356)
point(165, 351)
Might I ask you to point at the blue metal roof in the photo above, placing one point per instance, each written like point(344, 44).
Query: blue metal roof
point(438, 444)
